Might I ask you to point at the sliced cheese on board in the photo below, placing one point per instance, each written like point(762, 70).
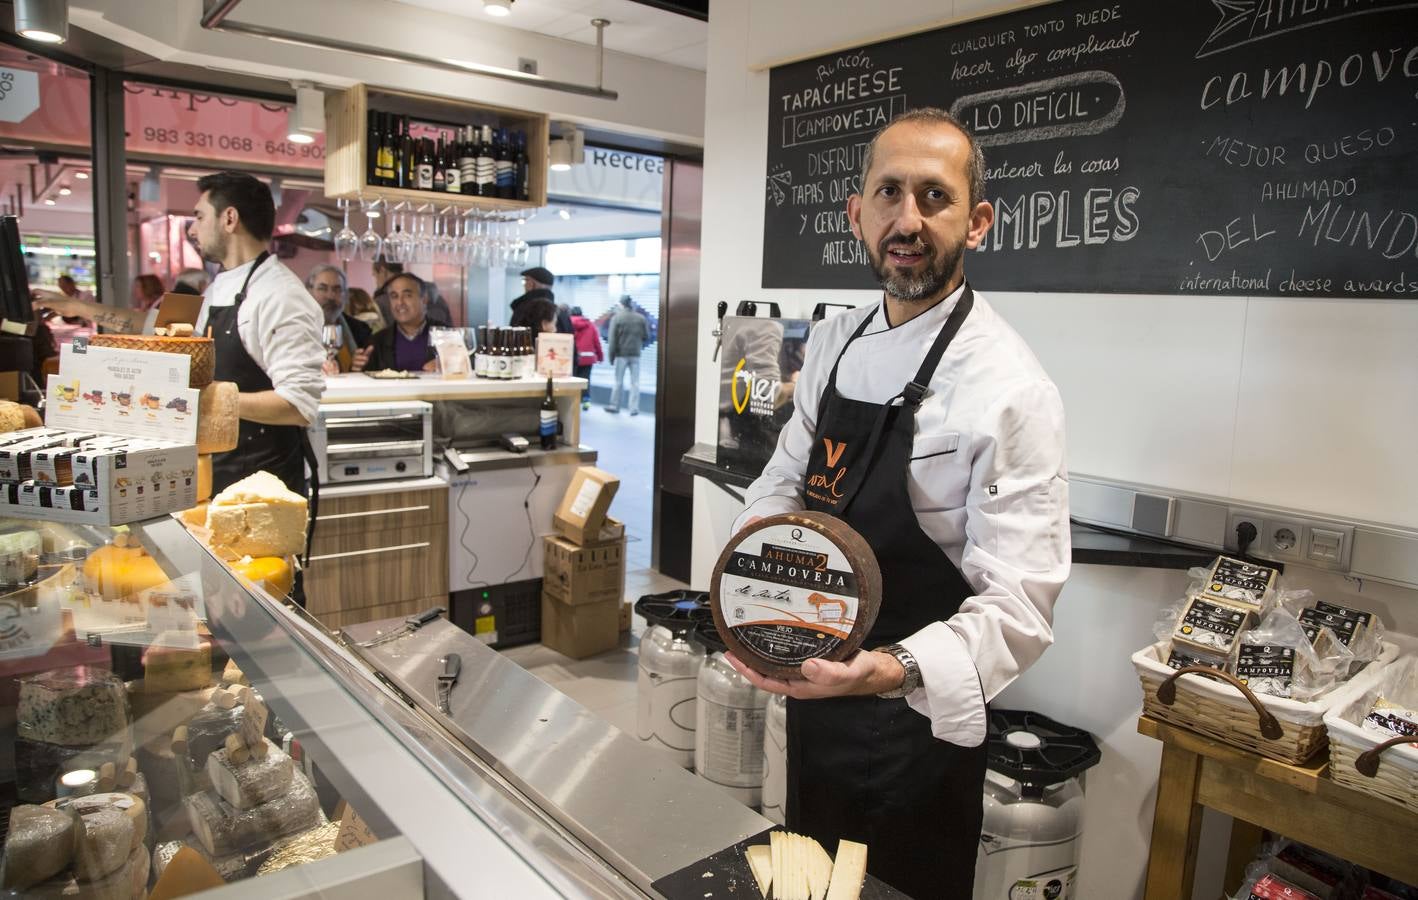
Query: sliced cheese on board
point(40, 845)
point(218, 419)
point(819, 870)
point(775, 847)
point(760, 862)
point(848, 872)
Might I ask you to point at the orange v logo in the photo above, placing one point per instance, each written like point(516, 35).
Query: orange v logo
point(834, 451)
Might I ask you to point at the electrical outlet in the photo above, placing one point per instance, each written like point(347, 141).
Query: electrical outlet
point(1281, 540)
point(1327, 545)
point(1239, 516)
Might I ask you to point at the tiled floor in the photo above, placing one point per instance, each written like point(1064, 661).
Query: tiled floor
point(604, 684)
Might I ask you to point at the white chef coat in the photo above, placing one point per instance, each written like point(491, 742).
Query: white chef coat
point(987, 481)
point(279, 325)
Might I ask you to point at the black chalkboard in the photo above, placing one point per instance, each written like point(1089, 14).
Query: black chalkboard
point(1245, 147)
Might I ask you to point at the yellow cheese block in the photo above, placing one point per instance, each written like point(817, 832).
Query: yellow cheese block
point(258, 516)
point(218, 413)
point(167, 670)
point(204, 478)
point(197, 515)
point(117, 572)
point(187, 873)
point(271, 572)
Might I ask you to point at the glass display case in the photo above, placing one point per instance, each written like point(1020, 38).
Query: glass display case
point(162, 716)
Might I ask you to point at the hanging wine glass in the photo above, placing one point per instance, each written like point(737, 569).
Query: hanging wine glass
point(370, 243)
point(464, 250)
point(396, 245)
point(521, 250)
point(446, 249)
point(424, 242)
point(346, 241)
point(481, 243)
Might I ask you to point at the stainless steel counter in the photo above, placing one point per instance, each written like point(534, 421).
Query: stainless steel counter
point(644, 815)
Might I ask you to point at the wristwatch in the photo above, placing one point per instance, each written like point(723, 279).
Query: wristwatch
point(913, 671)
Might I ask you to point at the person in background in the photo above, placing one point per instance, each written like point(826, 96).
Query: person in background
point(540, 315)
point(191, 281)
point(536, 285)
point(405, 346)
point(563, 320)
point(67, 286)
point(66, 328)
point(383, 271)
point(362, 307)
point(588, 351)
point(439, 315)
point(147, 292)
point(328, 286)
point(629, 333)
point(435, 306)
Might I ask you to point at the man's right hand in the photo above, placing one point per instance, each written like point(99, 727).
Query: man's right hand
point(361, 359)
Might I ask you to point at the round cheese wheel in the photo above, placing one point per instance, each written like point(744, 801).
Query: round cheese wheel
point(204, 479)
point(133, 809)
point(117, 572)
point(271, 572)
point(218, 417)
point(794, 587)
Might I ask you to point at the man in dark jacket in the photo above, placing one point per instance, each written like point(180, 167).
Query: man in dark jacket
point(629, 333)
point(328, 286)
point(405, 345)
point(536, 285)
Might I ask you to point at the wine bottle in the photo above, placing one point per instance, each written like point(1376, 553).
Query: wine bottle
point(522, 169)
point(487, 166)
point(371, 149)
point(467, 162)
point(529, 353)
point(452, 174)
point(547, 423)
point(424, 176)
point(506, 178)
point(440, 171)
point(401, 154)
point(386, 152)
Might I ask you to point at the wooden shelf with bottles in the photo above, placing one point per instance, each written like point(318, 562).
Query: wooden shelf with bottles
point(347, 145)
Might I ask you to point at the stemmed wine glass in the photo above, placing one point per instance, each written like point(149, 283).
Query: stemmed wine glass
point(370, 243)
point(346, 241)
point(333, 336)
point(398, 242)
point(424, 243)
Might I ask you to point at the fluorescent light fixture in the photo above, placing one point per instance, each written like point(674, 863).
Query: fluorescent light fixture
point(568, 150)
point(46, 21)
point(307, 118)
point(497, 8)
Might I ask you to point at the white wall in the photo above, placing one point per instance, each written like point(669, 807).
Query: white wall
point(1311, 404)
point(656, 99)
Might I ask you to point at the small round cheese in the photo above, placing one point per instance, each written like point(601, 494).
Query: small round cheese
point(794, 587)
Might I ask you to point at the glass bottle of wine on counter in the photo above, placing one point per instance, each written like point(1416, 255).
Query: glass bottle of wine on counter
point(547, 422)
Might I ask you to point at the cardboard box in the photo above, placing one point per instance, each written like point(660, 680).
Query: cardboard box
point(580, 630)
point(555, 353)
point(626, 609)
point(612, 530)
point(583, 507)
point(575, 575)
point(112, 486)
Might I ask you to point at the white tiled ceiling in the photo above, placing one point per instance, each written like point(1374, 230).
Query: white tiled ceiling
point(635, 29)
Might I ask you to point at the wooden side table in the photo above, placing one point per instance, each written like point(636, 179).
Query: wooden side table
point(1299, 802)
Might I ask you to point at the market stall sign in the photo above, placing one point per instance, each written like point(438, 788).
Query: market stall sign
point(19, 94)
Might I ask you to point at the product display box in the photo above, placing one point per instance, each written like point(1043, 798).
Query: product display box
point(112, 483)
point(555, 353)
point(582, 590)
point(584, 505)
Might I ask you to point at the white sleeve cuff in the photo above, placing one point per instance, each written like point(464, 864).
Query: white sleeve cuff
point(950, 694)
point(763, 507)
point(305, 399)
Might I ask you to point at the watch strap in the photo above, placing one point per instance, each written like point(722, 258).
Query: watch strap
point(912, 679)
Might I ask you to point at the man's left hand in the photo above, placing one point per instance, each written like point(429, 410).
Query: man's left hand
point(867, 672)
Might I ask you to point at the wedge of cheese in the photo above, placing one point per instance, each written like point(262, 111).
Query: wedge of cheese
point(849, 871)
point(258, 516)
point(172, 669)
point(760, 862)
point(218, 417)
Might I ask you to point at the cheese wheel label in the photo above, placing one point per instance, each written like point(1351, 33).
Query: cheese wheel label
point(1240, 581)
point(789, 594)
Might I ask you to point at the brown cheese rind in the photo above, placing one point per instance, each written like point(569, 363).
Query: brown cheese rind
point(223, 829)
point(863, 569)
point(40, 845)
point(253, 781)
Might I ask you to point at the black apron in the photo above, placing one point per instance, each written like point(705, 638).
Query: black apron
point(865, 768)
point(282, 450)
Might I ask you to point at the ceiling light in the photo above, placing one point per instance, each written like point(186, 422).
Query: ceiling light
point(82, 176)
point(372, 214)
point(497, 8)
point(568, 150)
point(65, 191)
point(565, 214)
point(48, 201)
point(307, 118)
point(46, 21)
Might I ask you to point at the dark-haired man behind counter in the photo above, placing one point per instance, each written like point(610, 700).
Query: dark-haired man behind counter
point(405, 345)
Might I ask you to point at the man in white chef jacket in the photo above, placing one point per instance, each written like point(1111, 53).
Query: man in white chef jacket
point(964, 500)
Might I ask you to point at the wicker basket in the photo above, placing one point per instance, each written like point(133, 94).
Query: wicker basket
point(1215, 704)
point(1365, 760)
point(202, 350)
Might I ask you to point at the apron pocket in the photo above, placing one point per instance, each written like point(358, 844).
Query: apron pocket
point(939, 472)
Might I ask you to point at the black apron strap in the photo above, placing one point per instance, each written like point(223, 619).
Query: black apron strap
point(309, 453)
point(915, 392)
point(241, 294)
point(832, 378)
